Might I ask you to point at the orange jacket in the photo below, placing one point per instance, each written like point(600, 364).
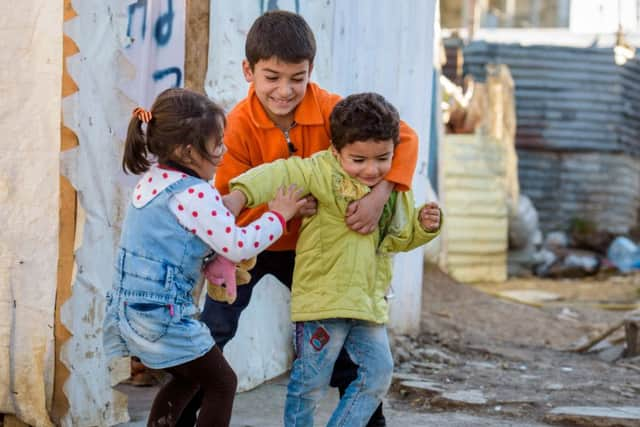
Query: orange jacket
point(252, 139)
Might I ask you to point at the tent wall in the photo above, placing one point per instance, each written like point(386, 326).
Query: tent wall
point(30, 79)
point(128, 53)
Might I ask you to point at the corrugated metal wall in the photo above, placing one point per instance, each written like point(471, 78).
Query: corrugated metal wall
point(570, 102)
point(603, 187)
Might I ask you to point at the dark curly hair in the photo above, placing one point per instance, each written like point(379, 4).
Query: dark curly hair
point(362, 117)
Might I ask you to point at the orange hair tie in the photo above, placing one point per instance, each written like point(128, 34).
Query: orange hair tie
point(142, 114)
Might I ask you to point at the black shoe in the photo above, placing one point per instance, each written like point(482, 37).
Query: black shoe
point(377, 419)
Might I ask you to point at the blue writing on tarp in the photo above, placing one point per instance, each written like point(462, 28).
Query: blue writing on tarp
point(132, 11)
point(273, 5)
point(161, 74)
point(162, 29)
point(164, 25)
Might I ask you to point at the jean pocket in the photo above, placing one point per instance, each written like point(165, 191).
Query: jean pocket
point(148, 320)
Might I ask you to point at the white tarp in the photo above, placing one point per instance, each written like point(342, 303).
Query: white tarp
point(30, 86)
point(397, 62)
point(129, 51)
point(353, 55)
point(156, 30)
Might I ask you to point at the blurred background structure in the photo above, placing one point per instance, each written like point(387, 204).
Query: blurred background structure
point(577, 123)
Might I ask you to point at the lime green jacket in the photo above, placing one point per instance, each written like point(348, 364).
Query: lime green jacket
point(338, 273)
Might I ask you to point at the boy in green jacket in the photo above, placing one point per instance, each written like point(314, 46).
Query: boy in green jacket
point(341, 277)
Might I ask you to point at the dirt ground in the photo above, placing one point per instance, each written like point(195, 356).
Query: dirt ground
point(484, 360)
point(485, 355)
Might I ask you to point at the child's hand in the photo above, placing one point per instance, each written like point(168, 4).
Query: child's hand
point(309, 208)
point(287, 201)
point(362, 216)
point(430, 217)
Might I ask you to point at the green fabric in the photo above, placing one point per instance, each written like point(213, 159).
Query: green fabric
point(338, 273)
point(387, 214)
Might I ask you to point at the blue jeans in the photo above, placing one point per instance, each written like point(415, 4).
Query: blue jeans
point(318, 344)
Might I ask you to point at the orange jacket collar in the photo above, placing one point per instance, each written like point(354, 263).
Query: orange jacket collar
point(307, 112)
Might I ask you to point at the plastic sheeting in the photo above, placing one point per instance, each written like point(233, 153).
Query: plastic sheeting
point(155, 48)
point(94, 113)
point(128, 52)
point(30, 84)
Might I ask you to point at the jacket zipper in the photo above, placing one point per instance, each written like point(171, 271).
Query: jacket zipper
point(292, 148)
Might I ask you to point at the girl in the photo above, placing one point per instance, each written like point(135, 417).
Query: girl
point(175, 220)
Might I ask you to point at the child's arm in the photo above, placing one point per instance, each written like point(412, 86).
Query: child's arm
point(235, 201)
point(423, 225)
point(259, 184)
point(221, 270)
point(405, 158)
point(363, 215)
point(200, 210)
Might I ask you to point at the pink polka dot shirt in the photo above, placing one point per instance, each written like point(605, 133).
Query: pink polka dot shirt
point(200, 210)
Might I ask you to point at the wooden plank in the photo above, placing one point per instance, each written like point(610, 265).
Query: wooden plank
point(196, 62)
point(196, 44)
point(632, 335)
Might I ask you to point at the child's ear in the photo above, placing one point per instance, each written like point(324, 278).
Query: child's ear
point(333, 150)
point(183, 153)
point(246, 70)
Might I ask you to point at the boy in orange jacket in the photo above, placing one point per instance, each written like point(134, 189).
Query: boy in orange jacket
point(283, 115)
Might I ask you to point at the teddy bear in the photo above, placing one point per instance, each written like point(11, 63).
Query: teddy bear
point(223, 276)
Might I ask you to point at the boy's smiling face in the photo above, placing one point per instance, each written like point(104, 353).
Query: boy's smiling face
point(280, 86)
point(367, 161)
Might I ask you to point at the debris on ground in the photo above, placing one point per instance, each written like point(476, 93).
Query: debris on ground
point(491, 356)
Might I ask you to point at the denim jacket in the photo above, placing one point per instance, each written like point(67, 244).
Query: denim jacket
point(150, 310)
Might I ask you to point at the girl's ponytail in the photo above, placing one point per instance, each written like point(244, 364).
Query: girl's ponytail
point(135, 159)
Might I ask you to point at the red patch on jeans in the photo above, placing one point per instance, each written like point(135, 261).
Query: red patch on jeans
point(319, 339)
